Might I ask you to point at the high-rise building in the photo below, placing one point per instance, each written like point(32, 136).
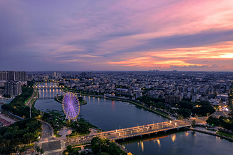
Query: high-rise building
point(8, 88)
point(2, 87)
point(13, 88)
point(11, 82)
point(20, 76)
point(54, 74)
point(30, 77)
point(3, 75)
point(59, 75)
point(12, 75)
point(87, 75)
point(2, 83)
point(194, 98)
point(138, 94)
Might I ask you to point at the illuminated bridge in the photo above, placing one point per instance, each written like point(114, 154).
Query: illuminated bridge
point(49, 87)
point(134, 131)
point(43, 98)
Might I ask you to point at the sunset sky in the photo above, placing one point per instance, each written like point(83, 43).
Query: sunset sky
point(99, 35)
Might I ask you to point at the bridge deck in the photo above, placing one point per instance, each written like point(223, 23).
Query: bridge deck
point(48, 88)
point(133, 131)
point(42, 98)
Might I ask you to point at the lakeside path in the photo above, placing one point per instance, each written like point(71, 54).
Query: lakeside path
point(33, 98)
point(214, 133)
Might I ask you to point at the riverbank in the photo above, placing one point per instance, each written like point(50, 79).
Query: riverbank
point(214, 133)
point(123, 149)
point(19, 105)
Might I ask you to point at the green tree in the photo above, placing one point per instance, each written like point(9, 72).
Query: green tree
point(113, 149)
point(37, 149)
point(42, 151)
point(104, 153)
point(185, 105)
point(22, 149)
point(193, 123)
point(28, 137)
point(184, 112)
point(96, 143)
point(69, 148)
point(21, 132)
point(80, 99)
point(213, 121)
point(203, 110)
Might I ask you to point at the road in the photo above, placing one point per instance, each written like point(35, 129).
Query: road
point(116, 134)
point(48, 142)
point(32, 97)
point(46, 131)
point(133, 131)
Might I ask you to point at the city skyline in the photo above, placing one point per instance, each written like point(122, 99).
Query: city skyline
point(119, 36)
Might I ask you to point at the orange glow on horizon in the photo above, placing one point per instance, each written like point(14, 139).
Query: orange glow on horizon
point(182, 57)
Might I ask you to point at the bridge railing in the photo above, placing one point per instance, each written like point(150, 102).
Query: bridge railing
point(42, 98)
point(137, 131)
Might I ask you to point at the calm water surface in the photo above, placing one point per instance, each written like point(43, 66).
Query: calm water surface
point(182, 143)
point(105, 114)
point(110, 115)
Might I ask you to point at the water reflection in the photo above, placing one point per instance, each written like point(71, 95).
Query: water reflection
point(218, 139)
point(179, 143)
point(173, 137)
point(113, 105)
point(142, 146)
point(50, 92)
point(158, 141)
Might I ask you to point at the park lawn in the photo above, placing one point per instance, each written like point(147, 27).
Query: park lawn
point(225, 134)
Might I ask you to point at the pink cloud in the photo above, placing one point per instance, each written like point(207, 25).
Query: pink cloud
point(118, 34)
point(193, 57)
